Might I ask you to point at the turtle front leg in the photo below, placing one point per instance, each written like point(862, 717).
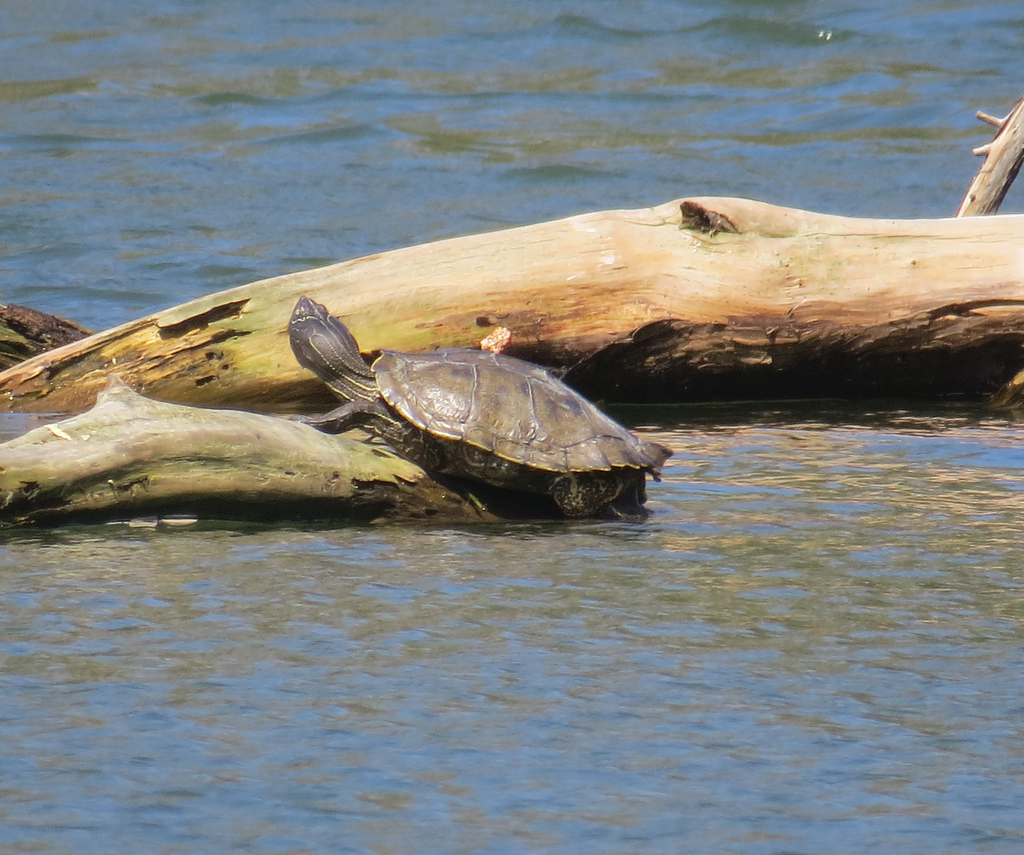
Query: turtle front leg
point(351, 414)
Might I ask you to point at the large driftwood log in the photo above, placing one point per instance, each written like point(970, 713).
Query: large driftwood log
point(694, 299)
point(130, 456)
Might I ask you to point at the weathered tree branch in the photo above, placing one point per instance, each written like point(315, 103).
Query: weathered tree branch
point(1003, 159)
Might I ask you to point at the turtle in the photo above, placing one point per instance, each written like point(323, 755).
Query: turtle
point(480, 415)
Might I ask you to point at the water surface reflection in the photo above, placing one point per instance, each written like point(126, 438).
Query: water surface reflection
point(814, 644)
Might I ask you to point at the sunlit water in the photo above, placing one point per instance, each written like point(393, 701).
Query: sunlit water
point(814, 645)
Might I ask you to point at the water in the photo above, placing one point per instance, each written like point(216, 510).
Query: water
point(815, 645)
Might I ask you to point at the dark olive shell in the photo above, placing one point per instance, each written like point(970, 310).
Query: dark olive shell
point(510, 408)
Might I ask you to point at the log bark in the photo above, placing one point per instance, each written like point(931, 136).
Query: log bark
point(130, 456)
point(26, 332)
point(702, 298)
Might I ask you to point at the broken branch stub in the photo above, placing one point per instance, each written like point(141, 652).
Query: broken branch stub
point(1003, 159)
point(696, 299)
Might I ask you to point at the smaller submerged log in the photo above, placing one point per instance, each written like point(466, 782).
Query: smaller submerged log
point(130, 456)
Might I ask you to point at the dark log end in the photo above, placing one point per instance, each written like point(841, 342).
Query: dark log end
point(25, 332)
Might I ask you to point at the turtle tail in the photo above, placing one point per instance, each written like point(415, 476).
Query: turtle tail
point(324, 345)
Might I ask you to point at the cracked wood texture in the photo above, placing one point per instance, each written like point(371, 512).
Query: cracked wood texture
point(695, 299)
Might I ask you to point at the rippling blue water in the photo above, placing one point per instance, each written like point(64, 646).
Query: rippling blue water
point(815, 645)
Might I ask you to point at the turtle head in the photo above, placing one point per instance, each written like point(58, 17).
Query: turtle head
point(324, 345)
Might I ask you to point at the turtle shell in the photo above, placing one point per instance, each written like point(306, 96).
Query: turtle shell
point(509, 408)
